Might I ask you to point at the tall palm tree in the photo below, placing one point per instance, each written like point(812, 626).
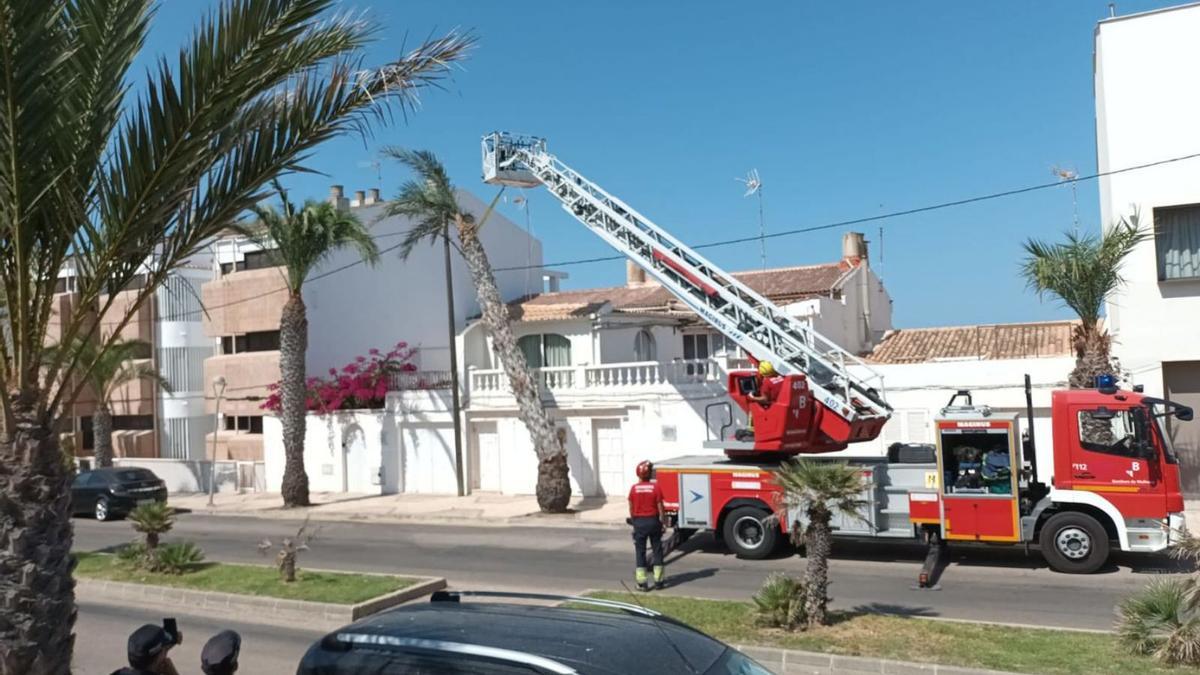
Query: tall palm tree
point(110, 369)
point(818, 489)
point(430, 200)
point(1083, 272)
point(123, 185)
point(300, 239)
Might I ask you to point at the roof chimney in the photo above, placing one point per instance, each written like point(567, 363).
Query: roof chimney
point(854, 248)
point(634, 274)
point(337, 197)
point(373, 196)
point(360, 198)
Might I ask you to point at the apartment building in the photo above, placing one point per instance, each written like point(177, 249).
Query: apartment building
point(352, 308)
point(1146, 110)
point(147, 421)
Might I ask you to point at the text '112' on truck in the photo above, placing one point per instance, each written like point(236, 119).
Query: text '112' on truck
point(1113, 480)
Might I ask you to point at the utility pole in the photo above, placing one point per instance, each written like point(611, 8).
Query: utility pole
point(218, 391)
point(452, 335)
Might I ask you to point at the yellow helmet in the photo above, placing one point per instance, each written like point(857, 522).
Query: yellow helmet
point(765, 368)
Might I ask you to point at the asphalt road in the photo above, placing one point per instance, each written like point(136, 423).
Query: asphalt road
point(999, 584)
point(101, 633)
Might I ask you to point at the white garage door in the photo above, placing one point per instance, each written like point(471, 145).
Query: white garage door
point(610, 457)
point(485, 470)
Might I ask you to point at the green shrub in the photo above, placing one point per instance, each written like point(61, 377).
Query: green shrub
point(779, 603)
point(1162, 621)
point(132, 553)
point(174, 558)
point(153, 520)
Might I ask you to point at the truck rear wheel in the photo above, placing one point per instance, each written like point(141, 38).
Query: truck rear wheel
point(1074, 543)
point(747, 535)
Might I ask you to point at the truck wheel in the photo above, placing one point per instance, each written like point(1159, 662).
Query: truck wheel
point(1074, 543)
point(747, 535)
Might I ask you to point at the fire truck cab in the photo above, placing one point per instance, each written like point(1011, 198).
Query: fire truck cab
point(1113, 483)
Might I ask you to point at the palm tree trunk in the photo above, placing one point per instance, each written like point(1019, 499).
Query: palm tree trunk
point(293, 345)
point(1092, 356)
point(818, 544)
point(553, 480)
point(37, 593)
point(102, 447)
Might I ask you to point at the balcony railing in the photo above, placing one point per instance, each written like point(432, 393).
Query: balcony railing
point(631, 375)
point(421, 379)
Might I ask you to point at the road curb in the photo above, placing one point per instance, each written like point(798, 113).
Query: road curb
point(275, 611)
point(316, 516)
point(794, 662)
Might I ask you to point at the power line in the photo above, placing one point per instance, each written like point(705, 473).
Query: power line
point(882, 216)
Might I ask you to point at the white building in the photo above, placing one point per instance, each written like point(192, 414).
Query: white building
point(629, 374)
point(1147, 108)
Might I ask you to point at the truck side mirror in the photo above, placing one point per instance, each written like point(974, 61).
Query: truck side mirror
point(1183, 413)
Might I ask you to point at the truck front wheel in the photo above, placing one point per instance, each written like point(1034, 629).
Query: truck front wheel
point(1074, 543)
point(748, 534)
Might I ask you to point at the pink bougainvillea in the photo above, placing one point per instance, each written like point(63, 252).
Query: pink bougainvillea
point(360, 384)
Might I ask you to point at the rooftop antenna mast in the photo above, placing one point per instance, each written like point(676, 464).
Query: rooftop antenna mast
point(754, 187)
point(378, 166)
point(1071, 176)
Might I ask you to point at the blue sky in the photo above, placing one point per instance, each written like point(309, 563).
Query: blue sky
point(847, 109)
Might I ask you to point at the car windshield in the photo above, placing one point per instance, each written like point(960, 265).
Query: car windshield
point(132, 475)
point(733, 662)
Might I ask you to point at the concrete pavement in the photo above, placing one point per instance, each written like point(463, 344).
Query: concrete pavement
point(994, 584)
point(102, 630)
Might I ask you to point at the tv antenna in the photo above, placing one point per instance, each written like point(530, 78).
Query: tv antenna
point(754, 187)
point(378, 166)
point(1072, 176)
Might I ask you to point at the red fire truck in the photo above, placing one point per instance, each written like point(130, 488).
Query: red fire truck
point(1114, 477)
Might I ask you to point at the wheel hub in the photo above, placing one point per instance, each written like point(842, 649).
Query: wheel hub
point(749, 532)
point(1073, 543)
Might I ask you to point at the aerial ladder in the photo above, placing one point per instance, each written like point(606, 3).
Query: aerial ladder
point(823, 405)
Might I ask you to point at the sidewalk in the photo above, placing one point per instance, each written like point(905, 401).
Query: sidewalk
point(474, 509)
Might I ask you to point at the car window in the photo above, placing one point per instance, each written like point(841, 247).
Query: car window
point(81, 479)
point(1111, 432)
point(385, 662)
point(733, 662)
point(131, 475)
point(96, 479)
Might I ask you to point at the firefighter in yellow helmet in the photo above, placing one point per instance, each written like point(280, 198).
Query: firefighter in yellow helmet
point(769, 384)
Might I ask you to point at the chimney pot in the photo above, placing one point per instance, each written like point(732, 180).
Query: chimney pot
point(360, 198)
point(854, 247)
point(373, 196)
point(336, 192)
point(634, 274)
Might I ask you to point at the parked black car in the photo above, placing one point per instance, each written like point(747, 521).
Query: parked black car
point(114, 492)
point(448, 636)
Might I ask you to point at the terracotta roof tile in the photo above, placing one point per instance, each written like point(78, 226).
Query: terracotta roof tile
point(988, 342)
point(786, 284)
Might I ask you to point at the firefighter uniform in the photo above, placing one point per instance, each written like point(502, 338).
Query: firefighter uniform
point(645, 509)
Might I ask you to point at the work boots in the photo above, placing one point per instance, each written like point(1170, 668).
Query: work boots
point(658, 576)
point(639, 576)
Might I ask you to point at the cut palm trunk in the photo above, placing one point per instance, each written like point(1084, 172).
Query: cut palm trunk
point(37, 593)
point(102, 452)
point(293, 343)
point(818, 544)
point(553, 480)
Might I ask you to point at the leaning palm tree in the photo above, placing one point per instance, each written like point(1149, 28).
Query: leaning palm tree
point(1083, 272)
point(106, 372)
point(299, 240)
point(818, 489)
point(430, 200)
point(117, 185)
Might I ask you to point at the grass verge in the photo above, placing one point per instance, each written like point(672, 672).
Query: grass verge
point(333, 587)
point(1022, 650)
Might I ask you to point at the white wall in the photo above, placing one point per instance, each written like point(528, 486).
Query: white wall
point(185, 476)
point(363, 307)
point(408, 446)
point(1147, 105)
point(919, 391)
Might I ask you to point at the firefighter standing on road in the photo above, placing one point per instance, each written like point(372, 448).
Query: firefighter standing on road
point(646, 515)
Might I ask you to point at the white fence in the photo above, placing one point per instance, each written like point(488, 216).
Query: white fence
point(191, 475)
point(643, 374)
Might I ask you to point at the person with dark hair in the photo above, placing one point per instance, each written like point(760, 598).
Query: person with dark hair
point(220, 653)
point(147, 651)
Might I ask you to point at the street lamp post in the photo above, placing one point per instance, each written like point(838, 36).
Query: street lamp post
point(218, 391)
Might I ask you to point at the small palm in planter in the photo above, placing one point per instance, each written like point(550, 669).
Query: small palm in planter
point(289, 549)
point(152, 520)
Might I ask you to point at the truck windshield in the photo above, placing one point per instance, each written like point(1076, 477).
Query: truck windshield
point(1157, 414)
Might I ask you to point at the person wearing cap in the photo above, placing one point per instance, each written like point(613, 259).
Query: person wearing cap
point(769, 383)
point(646, 515)
point(220, 653)
point(147, 651)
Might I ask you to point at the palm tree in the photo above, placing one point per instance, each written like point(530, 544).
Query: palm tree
point(300, 239)
point(1083, 272)
point(430, 200)
point(818, 488)
point(121, 185)
point(111, 369)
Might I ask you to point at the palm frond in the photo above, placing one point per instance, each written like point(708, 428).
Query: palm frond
point(828, 485)
point(302, 238)
point(428, 198)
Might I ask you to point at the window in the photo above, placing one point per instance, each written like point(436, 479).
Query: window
point(546, 351)
point(695, 351)
point(251, 424)
point(1113, 432)
point(263, 341)
point(132, 422)
point(644, 348)
point(257, 260)
point(1177, 242)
